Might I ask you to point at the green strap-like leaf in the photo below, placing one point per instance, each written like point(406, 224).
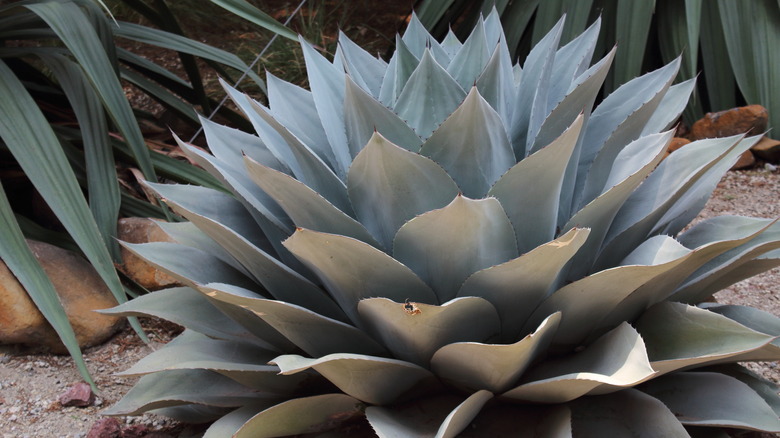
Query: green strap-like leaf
point(364, 116)
point(389, 185)
point(428, 83)
point(494, 367)
point(245, 10)
point(632, 24)
point(180, 387)
point(713, 399)
point(17, 256)
point(533, 213)
point(472, 146)
point(315, 334)
point(381, 381)
point(352, 270)
point(680, 336)
point(306, 208)
point(414, 331)
point(484, 234)
point(615, 361)
point(537, 271)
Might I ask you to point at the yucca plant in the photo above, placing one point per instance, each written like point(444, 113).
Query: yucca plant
point(449, 244)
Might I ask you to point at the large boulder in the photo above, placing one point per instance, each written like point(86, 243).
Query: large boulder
point(142, 230)
point(751, 119)
point(81, 292)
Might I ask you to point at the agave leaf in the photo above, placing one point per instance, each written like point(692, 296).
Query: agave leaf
point(417, 39)
point(750, 317)
point(713, 399)
point(180, 387)
point(308, 168)
point(537, 270)
point(317, 413)
point(545, 168)
point(365, 69)
point(495, 367)
point(364, 116)
point(629, 410)
point(751, 35)
point(315, 334)
point(381, 380)
point(471, 58)
point(472, 146)
point(457, 421)
point(663, 188)
point(531, 109)
point(573, 59)
point(549, 12)
point(451, 44)
point(418, 419)
point(618, 120)
point(352, 270)
point(612, 363)
point(102, 183)
point(482, 230)
point(327, 87)
point(260, 18)
point(680, 336)
point(229, 423)
point(428, 82)
point(414, 331)
point(496, 83)
point(306, 207)
point(389, 185)
point(18, 258)
point(670, 108)
point(765, 388)
point(188, 308)
point(600, 213)
point(294, 108)
point(400, 68)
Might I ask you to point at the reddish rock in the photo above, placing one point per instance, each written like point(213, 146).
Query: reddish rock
point(105, 428)
point(677, 143)
point(745, 161)
point(767, 149)
point(81, 291)
point(136, 431)
point(142, 230)
point(79, 395)
point(751, 119)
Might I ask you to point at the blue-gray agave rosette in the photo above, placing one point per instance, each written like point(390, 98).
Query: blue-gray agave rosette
point(447, 244)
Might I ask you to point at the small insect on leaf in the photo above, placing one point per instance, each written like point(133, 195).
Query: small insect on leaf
point(411, 308)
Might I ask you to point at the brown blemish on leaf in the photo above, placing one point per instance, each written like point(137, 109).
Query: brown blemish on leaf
point(411, 308)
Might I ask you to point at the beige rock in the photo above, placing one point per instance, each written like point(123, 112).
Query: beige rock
point(142, 230)
point(767, 149)
point(752, 119)
point(81, 292)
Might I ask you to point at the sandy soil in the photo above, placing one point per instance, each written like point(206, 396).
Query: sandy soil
point(30, 384)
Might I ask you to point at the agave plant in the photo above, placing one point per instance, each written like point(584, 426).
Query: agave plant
point(449, 244)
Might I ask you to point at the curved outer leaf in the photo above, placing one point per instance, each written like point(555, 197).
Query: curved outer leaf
point(306, 207)
point(680, 336)
point(294, 108)
point(596, 294)
point(484, 234)
point(429, 82)
point(457, 421)
point(516, 288)
point(472, 146)
point(418, 419)
point(515, 190)
point(188, 308)
point(327, 87)
point(181, 387)
point(317, 413)
point(375, 380)
point(750, 317)
point(599, 214)
point(495, 367)
point(713, 399)
point(187, 234)
point(225, 221)
point(612, 363)
point(352, 270)
point(670, 108)
point(471, 58)
point(364, 116)
point(617, 121)
point(389, 186)
point(313, 333)
point(630, 411)
point(414, 331)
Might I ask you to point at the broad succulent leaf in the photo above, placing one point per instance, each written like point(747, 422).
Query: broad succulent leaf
point(451, 245)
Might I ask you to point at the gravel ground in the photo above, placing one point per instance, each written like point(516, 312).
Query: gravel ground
point(30, 384)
